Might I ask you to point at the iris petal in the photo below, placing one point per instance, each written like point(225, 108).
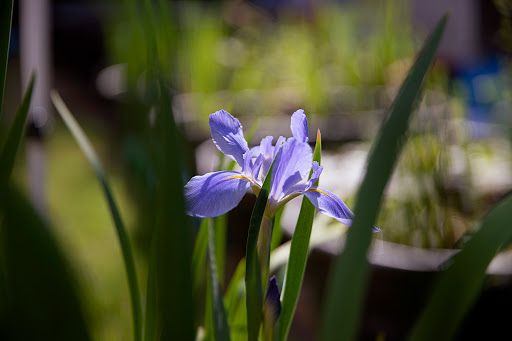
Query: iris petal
point(299, 126)
point(257, 166)
point(228, 136)
point(330, 205)
point(214, 194)
point(291, 166)
point(265, 148)
point(317, 170)
point(302, 187)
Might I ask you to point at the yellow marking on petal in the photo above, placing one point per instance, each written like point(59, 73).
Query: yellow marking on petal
point(237, 177)
point(243, 178)
point(319, 191)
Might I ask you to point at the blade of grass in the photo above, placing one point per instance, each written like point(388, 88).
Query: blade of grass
point(43, 294)
point(347, 282)
point(457, 288)
point(298, 256)
point(253, 281)
point(11, 146)
point(5, 38)
point(220, 322)
point(88, 150)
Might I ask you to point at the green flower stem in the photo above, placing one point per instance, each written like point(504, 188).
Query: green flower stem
point(264, 239)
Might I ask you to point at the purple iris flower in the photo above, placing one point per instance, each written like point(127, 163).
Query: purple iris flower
point(216, 193)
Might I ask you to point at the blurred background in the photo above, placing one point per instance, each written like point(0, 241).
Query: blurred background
point(340, 61)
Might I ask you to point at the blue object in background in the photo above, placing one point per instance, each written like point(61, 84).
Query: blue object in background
point(483, 85)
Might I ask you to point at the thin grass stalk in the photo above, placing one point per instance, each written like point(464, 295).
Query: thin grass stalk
point(124, 241)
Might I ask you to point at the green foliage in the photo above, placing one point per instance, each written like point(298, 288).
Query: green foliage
point(220, 323)
point(348, 277)
point(199, 256)
point(457, 287)
point(253, 280)
point(124, 241)
point(236, 304)
point(299, 250)
point(171, 256)
point(38, 292)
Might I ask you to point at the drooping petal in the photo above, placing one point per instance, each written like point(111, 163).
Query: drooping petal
point(330, 205)
point(228, 136)
point(213, 194)
point(291, 166)
point(299, 126)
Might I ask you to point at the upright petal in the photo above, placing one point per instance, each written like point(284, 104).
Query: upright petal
point(299, 126)
point(291, 166)
point(228, 136)
point(213, 194)
point(247, 165)
point(256, 167)
point(330, 205)
point(278, 145)
point(250, 168)
point(267, 150)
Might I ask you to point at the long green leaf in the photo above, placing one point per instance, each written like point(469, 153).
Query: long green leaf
point(298, 256)
point(172, 238)
point(220, 321)
point(347, 284)
point(88, 150)
point(11, 146)
point(457, 288)
point(5, 38)
point(43, 296)
point(254, 298)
